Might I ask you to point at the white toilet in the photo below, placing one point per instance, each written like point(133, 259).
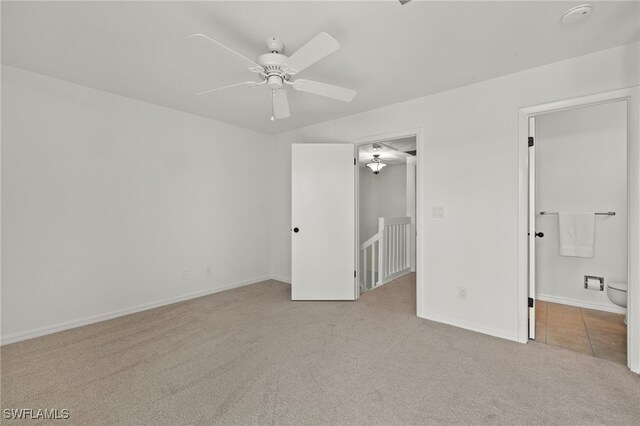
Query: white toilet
point(617, 293)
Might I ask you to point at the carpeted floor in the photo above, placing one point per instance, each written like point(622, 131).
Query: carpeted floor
point(251, 356)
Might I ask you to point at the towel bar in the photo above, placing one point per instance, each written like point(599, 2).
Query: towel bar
point(545, 213)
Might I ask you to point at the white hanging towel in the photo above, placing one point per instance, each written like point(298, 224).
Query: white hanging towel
point(577, 234)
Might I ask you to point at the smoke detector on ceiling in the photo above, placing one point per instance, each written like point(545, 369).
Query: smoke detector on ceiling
point(576, 14)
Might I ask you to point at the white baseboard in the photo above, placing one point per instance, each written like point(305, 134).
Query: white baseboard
point(469, 326)
point(582, 304)
point(397, 275)
point(281, 279)
point(42, 331)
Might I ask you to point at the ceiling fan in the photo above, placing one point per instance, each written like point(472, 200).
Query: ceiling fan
point(277, 71)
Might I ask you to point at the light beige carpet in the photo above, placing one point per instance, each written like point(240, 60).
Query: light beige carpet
point(251, 356)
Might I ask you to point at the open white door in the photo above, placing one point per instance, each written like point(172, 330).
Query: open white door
point(532, 228)
point(323, 222)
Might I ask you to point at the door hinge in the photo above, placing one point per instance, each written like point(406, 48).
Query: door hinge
point(530, 140)
point(531, 302)
point(354, 161)
point(354, 274)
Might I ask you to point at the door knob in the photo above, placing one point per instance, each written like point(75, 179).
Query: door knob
point(539, 234)
point(296, 230)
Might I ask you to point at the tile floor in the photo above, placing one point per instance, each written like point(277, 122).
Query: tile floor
point(591, 332)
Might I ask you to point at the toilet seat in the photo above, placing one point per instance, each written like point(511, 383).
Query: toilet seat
point(617, 293)
point(619, 286)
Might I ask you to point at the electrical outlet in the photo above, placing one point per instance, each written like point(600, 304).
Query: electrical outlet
point(462, 293)
point(209, 270)
point(185, 275)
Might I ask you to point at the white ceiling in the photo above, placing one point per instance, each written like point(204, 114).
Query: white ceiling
point(391, 152)
point(390, 53)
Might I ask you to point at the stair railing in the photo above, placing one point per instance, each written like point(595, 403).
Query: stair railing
point(386, 255)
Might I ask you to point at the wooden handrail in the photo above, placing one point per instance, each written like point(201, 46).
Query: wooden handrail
point(371, 240)
point(396, 220)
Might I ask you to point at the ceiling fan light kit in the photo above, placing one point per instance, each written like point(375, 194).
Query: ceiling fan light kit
point(277, 70)
point(375, 165)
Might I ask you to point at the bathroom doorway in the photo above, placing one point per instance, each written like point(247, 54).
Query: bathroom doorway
point(386, 219)
point(581, 222)
point(579, 234)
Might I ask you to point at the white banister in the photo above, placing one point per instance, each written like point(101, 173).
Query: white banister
point(370, 241)
point(369, 263)
point(386, 255)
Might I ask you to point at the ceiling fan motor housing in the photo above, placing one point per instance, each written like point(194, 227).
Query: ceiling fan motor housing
point(275, 72)
point(272, 61)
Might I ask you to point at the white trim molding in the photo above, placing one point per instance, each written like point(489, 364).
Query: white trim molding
point(469, 326)
point(607, 307)
point(43, 331)
point(281, 279)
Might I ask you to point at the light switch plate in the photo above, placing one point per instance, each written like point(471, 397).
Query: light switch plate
point(437, 212)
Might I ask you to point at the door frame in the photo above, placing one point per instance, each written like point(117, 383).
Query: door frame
point(531, 228)
point(419, 240)
point(632, 96)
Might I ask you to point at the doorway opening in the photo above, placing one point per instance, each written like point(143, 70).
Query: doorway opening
point(579, 225)
point(580, 190)
point(386, 219)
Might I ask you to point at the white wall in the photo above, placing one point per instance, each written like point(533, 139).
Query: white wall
point(581, 157)
point(382, 195)
point(106, 200)
point(469, 165)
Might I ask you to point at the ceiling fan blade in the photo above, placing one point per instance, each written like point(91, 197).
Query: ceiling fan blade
point(317, 48)
point(323, 89)
point(246, 83)
point(280, 104)
point(225, 47)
